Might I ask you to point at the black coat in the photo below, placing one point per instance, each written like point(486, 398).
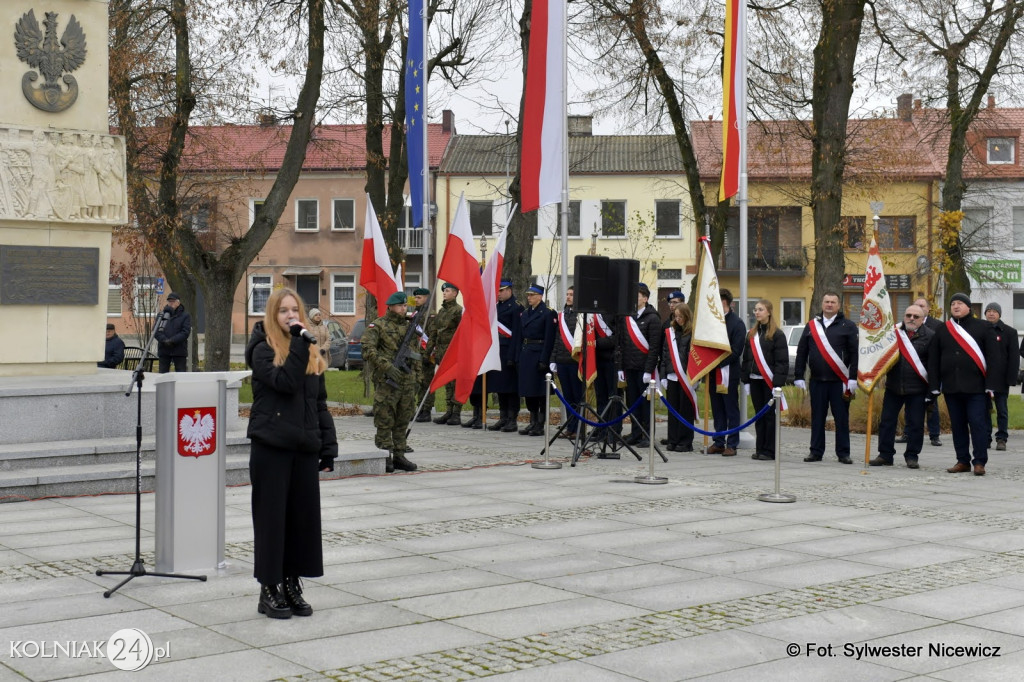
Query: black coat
point(776, 354)
point(173, 336)
point(537, 331)
point(649, 322)
point(902, 378)
point(737, 332)
point(951, 369)
point(665, 365)
point(505, 380)
point(1009, 355)
point(560, 353)
point(289, 407)
point(113, 352)
point(933, 323)
point(842, 335)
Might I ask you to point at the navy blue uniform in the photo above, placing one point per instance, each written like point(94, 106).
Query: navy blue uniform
point(506, 381)
point(537, 333)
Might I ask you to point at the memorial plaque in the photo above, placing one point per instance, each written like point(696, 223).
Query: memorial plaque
point(49, 275)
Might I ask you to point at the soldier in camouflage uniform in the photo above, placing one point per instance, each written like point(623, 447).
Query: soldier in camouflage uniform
point(393, 405)
point(441, 332)
point(426, 368)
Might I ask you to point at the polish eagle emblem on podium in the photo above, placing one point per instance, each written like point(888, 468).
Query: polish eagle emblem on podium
point(197, 431)
point(53, 58)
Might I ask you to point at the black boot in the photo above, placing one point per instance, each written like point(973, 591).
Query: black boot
point(475, 422)
point(525, 431)
point(512, 415)
point(293, 595)
point(423, 415)
point(443, 419)
point(501, 423)
point(538, 425)
point(455, 416)
point(389, 464)
point(272, 602)
point(402, 463)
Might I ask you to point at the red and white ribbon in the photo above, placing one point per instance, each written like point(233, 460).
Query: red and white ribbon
point(601, 327)
point(504, 331)
point(563, 328)
point(764, 369)
point(969, 345)
point(909, 354)
point(639, 340)
point(832, 358)
point(680, 367)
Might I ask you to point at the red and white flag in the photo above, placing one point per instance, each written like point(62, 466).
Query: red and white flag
point(491, 282)
point(709, 342)
point(734, 93)
point(460, 265)
point(544, 117)
point(877, 343)
point(376, 274)
point(587, 371)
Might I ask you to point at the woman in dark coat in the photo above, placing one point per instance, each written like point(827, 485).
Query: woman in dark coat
point(673, 368)
point(774, 358)
point(293, 438)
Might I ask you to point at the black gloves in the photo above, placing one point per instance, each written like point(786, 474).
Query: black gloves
point(394, 373)
point(326, 464)
point(295, 330)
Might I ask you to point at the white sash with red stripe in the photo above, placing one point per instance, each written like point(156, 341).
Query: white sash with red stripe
point(832, 358)
point(969, 345)
point(563, 328)
point(909, 354)
point(601, 327)
point(679, 367)
point(639, 340)
point(423, 337)
point(764, 369)
point(504, 331)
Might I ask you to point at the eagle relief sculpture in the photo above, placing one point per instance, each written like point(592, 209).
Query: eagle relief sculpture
point(51, 59)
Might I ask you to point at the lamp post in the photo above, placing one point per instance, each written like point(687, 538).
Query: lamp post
point(483, 250)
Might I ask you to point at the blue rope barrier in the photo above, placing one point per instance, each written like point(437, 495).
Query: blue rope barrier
point(702, 432)
point(597, 425)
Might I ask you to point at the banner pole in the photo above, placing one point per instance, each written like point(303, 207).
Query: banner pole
point(867, 431)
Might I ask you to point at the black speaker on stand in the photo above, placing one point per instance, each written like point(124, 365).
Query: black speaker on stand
point(623, 281)
point(593, 293)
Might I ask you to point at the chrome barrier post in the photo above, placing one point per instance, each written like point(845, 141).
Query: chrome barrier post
point(547, 463)
point(777, 496)
point(650, 478)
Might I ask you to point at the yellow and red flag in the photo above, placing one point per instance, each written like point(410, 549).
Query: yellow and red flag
point(733, 96)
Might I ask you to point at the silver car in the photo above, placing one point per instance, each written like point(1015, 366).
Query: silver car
point(793, 333)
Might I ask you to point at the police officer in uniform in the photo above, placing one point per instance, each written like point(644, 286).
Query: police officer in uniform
point(394, 390)
point(638, 335)
point(441, 333)
point(505, 382)
point(537, 326)
point(426, 368)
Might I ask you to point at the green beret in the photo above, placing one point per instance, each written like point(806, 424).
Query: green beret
point(448, 285)
point(421, 292)
point(397, 298)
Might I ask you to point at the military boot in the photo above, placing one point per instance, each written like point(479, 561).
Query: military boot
point(401, 462)
point(474, 422)
point(455, 419)
point(512, 424)
point(424, 414)
point(502, 420)
point(443, 419)
point(389, 465)
point(537, 428)
point(525, 431)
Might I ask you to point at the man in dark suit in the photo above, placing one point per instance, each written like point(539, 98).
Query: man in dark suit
point(932, 413)
point(537, 335)
point(1009, 356)
point(725, 407)
point(639, 333)
point(173, 336)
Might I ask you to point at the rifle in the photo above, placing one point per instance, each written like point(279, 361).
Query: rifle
point(401, 360)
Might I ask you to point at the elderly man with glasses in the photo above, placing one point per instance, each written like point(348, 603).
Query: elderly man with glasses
point(906, 387)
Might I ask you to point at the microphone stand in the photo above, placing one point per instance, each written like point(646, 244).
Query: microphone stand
point(138, 566)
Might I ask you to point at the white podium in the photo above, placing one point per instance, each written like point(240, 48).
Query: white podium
point(191, 426)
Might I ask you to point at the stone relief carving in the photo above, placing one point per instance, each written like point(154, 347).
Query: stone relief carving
point(61, 175)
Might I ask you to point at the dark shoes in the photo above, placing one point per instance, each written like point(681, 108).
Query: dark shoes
point(389, 464)
point(455, 419)
point(961, 468)
point(912, 464)
point(423, 416)
point(498, 425)
point(936, 442)
point(879, 462)
point(845, 460)
point(812, 458)
point(293, 595)
point(401, 463)
point(762, 457)
point(979, 469)
point(1000, 445)
point(443, 419)
point(273, 603)
point(473, 423)
point(715, 449)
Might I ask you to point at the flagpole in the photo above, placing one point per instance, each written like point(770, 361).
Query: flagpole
point(565, 154)
point(867, 430)
point(741, 120)
point(425, 177)
point(707, 408)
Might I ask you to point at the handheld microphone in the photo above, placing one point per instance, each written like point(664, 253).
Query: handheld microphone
point(304, 333)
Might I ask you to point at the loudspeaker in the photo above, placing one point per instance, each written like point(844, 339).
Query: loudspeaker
point(593, 292)
point(623, 280)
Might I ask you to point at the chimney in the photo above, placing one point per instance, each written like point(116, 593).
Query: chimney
point(267, 120)
point(917, 104)
point(448, 121)
point(903, 111)
point(581, 126)
point(991, 101)
point(163, 121)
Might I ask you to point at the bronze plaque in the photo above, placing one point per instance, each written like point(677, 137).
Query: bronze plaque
point(49, 275)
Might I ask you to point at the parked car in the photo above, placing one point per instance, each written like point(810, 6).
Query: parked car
point(793, 333)
point(354, 352)
point(339, 344)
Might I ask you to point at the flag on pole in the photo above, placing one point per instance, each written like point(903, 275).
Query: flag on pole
point(491, 282)
point(415, 110)
point(544, 117)
point(375, 273)
point(460, 265)
point(709, 341)
point(733, 89)
point(587, 370)
point(877, 329)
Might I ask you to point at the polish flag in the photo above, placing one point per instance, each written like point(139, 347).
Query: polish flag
point(491, 282)
point(375, 274)
point(544, 117)
point(460, 265)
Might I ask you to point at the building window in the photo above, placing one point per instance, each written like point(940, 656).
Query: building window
point(344, 215)
point(976, 230)
point(1018, 310)
point(670, 273)
point(854, 301)
point(144, 298)
point(196, 215)
point(896, 233)
point(259, 293)
point(666, 218)
point(1018, 227)
point(114, 297)
point(343, 295)
point(481, 218)
point(412, 282)
point(307, 215)
point(613, 218)
point(254, 205)
point(574, 220)
point(793, 311)
point(853, 228)
point(1000, 150)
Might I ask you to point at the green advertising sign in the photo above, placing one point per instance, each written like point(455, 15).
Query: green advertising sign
point(996, 270)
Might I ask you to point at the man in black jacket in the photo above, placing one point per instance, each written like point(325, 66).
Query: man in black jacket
point(657, 348)
point(173, 336)
point(725, 407)
point(906, 387)
point(964, 363)
point(932, 415)
point(638, 335)
point(1006, 338)
point(113, 354)
point(564, 366)
point(829, 346)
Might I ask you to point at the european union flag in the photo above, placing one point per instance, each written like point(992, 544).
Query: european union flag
point(416, 110)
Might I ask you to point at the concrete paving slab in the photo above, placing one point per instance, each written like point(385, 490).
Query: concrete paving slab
point(539, 618)
point(958, 601)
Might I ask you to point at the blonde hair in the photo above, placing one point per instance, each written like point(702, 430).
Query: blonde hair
point(279, 339)
point(682, 310)
point(772, 326)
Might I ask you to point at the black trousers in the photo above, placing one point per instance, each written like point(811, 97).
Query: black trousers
point(764, 428)
point(606, 385)
point(285, 514)
point(635, 388)
point(678, 433)
point(166, 360)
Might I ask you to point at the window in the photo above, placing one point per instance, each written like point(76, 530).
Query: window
point(1018, 227)
point(259, 293)
point(976, 230)
point(613, 218)
point(792, 311)
point(254, 205)
point(343, 295)
point(896, 233)
point(1018, 310)
point(344, 214)
point(412, 282)
point(307, 215)
point(1000, 150)
point(670, 273)
point(145, 298)
point(114, 297)
point(666, 217)
point(481, 217)
point(196, 214)
point(574, 220)
point(853, 228)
